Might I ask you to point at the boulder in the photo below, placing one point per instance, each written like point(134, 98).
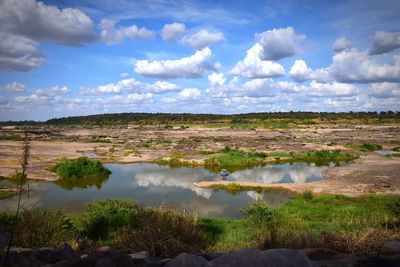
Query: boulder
point(186, 260)
point(258, 258)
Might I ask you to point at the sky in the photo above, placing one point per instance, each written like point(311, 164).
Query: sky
point(68, 58)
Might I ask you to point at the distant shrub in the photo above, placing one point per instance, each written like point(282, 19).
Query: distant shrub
point(366, 147)
point(104, 217)
point(80, 168)
point(163, 232)
point(307, 195)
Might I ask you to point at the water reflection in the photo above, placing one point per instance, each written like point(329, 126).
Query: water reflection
point(153, 185)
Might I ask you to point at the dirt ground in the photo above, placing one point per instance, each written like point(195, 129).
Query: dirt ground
point(372, 172)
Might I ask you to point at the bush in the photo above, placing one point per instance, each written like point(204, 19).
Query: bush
point(163, 232)
point(38, 227)
point(267, 219)
point(104, 217)
point(307, 195)
point(81, 173)
point(80, 168)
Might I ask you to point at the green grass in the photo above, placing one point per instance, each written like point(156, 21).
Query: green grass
point(232, 159)
point(14, 137)
point(397, 155)
point(5, 194)
point(81, 173)
point(234, 188)
point(367, 147)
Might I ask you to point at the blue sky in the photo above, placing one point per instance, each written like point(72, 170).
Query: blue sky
point(63, 58)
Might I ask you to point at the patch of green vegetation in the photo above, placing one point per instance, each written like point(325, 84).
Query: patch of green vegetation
point(233, 159)
point(397, 149)
point(333, 221)
point(5, 193)
point(235, 188)
point(81, 173)
point(176, 161)
point(397, 155)
point(14, 137)
point(96, 139)
point(367, 147)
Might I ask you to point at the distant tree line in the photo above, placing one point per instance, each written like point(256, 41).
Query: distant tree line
point(182, 118)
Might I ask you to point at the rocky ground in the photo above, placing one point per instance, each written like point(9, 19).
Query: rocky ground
point(370, 173)
point(107, 257)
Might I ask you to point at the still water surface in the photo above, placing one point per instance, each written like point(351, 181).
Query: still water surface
point(153, 185)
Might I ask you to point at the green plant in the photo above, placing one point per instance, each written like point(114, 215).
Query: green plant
point(39, 227)
point(162, 232)
point(366, 147)
point(307, 195)
point(104, 217)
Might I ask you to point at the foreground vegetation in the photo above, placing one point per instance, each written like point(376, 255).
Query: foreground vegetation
point(335, 221)
point(81, 173)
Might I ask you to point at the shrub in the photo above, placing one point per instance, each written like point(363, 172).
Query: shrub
point(267, 219)
point(307, 195)
point(366, 147)
point(38, 227)
point(163, 232)
point(81, 172)
point(104, 217)
point(80, 168)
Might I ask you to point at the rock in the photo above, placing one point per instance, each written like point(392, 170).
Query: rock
point(105, 263)
point(122, 260)
point(209, 256)
point(139, 256)
point(257, 258)
point(62, 253)
point(84, 256)
point(103, 249)
point(378, 261)
point(186, 260)
point(391, 248)
point(317, 254)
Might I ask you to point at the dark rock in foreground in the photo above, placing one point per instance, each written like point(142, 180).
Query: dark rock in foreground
point(65, 256)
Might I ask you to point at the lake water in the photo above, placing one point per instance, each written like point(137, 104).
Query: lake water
point(153, 185)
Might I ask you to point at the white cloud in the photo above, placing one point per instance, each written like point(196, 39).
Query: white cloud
point(189, 94)
point(131, 85)
point(188, 67)
point(170, 32)
point(15, 87)
point(279, 43)
point(41, 22)
point(332, 89)
point(112, 35)
point(202, 38)
point(168, 100)
point(354, 66)
point(385, 90)
point(253, 67)
point(216, 79)
point(18, 53)
point(384, 42)
point(340, 45)
point(44, 96)
point(300, 73)
point(124, 75)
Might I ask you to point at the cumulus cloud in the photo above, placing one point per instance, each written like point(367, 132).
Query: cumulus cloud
point(188, 67)
point(279, 43)
point(15, 87)
point(18, 53)
point(385, 90)
point(25, 23)
point(131, 85)
point(202, 38)
point(353, 66)
point(252, 66)
point(171, 32)
point(300, 73)
point(332, 89)
point(44, 96)
point(112, 35)
point(41, 22)
point(189, 94)
point(340, 45)
point(384, 42)
point(216, 79)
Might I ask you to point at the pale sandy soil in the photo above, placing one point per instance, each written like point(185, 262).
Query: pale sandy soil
point(370, 173)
